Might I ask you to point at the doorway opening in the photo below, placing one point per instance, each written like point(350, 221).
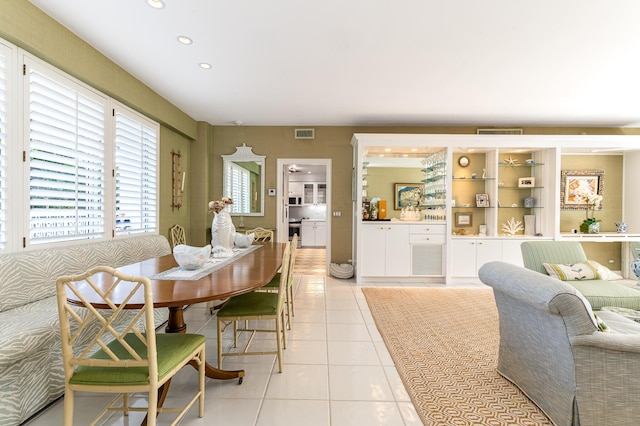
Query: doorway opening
point(304, 203)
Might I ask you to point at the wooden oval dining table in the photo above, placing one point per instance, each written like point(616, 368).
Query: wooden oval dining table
point(247, 273)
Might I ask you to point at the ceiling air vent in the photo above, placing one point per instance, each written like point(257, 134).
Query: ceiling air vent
point(305, 133)
point(499, 131)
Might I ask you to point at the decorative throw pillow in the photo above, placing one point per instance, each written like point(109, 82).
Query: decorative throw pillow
point(601, 324)
point(606, 273)
point(572, 272)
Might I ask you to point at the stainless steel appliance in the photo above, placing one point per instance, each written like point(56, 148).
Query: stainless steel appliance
point(295, 201)
point(294, 227)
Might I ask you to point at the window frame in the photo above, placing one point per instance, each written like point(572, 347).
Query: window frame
point(17, 206)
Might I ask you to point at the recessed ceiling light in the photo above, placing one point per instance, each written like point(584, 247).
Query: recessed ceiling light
point(156, 4)
point(184, 40)
point(387, 150)
point(205, 66)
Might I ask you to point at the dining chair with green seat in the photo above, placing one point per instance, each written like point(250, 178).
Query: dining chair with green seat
point(256, 306)
point(122, 360)
point(275, 283)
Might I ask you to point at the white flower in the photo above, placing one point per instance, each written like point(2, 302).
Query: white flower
point(585, 194)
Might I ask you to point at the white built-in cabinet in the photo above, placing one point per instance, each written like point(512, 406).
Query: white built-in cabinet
point(469, 254)
point(313, 233)
point(386, 250)
point(295, 189)
point(314, 193)
point(513, 176)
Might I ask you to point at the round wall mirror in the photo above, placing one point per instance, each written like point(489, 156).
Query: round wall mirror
point(463, 161)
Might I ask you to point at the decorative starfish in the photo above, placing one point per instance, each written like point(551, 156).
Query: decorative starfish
point(510, 161)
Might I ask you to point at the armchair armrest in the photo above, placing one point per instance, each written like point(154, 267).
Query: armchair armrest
point(609, 341)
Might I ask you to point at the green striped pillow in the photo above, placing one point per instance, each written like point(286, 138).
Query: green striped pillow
point(573, 272)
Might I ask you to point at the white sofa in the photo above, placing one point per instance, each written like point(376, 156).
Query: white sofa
point(31, 373)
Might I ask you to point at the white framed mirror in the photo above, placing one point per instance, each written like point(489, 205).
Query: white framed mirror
point(243, 181)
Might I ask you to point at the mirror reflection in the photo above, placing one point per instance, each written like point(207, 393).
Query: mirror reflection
point(243, 181)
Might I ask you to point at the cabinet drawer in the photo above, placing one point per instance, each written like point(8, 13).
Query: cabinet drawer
point(427, 239)
point(428, 228)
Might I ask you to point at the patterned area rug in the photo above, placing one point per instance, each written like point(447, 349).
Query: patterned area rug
point(444, 343)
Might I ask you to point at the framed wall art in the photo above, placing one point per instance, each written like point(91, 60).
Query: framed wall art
point(464, 219)
point(407, 195)
point(482, 200)
point(526, 182)
point(575, 184)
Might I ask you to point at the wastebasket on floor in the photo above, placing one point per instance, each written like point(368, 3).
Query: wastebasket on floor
point(342, 270)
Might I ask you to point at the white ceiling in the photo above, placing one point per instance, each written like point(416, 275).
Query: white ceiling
point(377, 62)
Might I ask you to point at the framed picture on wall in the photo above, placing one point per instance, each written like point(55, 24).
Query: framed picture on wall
point(526, 182)
point(407, 195)
point(464, 219)
point(577, 185)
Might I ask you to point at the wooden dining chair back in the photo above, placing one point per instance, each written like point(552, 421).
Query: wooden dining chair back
point(256, 306)
point(124, 359)
point(177, 236)
point(261, 234)
point(274, 284)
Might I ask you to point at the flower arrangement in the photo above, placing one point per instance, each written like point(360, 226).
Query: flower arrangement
point(594, 202)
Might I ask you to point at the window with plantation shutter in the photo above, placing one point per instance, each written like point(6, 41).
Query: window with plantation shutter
point(238, 188)
point(66, 153)
point(136, 173)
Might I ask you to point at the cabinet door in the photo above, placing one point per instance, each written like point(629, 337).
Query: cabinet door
point(487, 251)
point(511, 252)
point(321, 234)
point(308, 234)
point(398, 251)
point(373, 250)
point(308, 193)
point(295, 189)
point(321, 193)
point(463, 258)
point(426, 259)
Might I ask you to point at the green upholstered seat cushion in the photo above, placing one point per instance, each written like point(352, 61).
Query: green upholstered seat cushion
point(607, 293)
point(250, 304)
point(171, 349)
point(274, 283)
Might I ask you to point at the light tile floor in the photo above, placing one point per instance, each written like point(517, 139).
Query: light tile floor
point(337, 370)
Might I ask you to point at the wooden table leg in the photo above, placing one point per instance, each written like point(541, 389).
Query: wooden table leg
point(176, 324)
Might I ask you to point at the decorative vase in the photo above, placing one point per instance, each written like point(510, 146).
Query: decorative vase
point(621, 227)
point(587, 227)
point(635, 266)
point(222, 234)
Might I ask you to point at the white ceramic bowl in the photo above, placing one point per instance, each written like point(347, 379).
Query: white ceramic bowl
point(189, 257)
point(243, 240)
